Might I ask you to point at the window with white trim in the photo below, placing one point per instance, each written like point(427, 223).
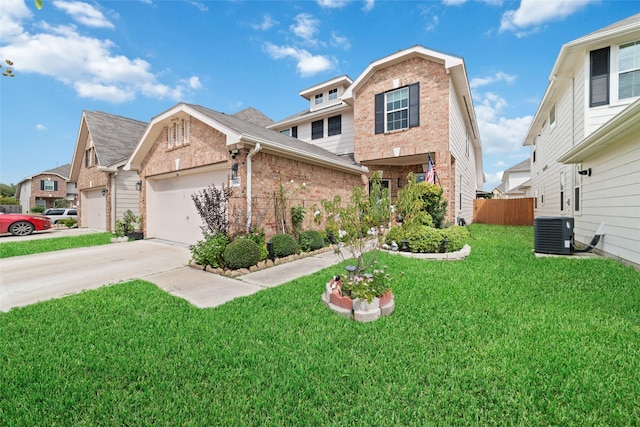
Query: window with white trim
point(319, 99)
point(629, 70)
point(562, 191)
point(552, 115)
point(317, 129)
point(333, 94)
point(178, 133)
point(468, 144)
point(334, 125)
point(577, 179)
point(397, 103)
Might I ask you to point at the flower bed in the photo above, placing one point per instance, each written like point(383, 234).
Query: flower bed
point(358, 309)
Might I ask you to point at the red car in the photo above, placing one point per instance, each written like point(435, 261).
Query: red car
point(22, 224)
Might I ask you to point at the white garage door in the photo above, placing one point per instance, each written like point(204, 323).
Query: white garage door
point(171, 213)
point(94, 209)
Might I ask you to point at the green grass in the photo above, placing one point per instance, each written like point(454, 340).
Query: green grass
point(502, 338)
point(29, 247)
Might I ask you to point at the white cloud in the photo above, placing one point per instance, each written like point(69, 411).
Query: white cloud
point(496, 78)
point(339, 41)
point(266, 23)
point(84, 13)
point(368, 5)
point(194, 82)
point(307, 63)
point(534, 13)
point(86, 64)
point(332, 4)
point(200, 6)
point(500, 135)
point(41, 127)
point(13, 13)
point(306, 27)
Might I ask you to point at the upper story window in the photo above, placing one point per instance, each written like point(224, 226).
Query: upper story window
point(90, 157)
point(319, 99)
point(629, 70)
point(552, 115)
point(286, 132)
point(467, 144)
point(599, 77)
point(397, 109)
point(178, 133)
point(317, 129)
point(333, 94)
point(334, 125)
point(48, 185)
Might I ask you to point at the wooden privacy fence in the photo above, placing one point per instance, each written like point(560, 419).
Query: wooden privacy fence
point(503, 211)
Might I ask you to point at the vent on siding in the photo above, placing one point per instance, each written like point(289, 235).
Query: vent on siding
point(553, 235)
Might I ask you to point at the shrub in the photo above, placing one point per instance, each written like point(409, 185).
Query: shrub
point(311, 240)
point(457, 236)
point(37, 209)
point(241, 253)
point(260, 240)
point(284, 245)
point(69, 222)
point(421, 197)
point(395, 234)
point(423, 239)
point(210, 251)
point(211, 204)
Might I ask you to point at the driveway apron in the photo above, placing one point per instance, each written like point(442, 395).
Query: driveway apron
point(28, 279)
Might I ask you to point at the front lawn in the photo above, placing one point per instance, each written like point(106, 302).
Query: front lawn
point(501, 338)
point(29, 247)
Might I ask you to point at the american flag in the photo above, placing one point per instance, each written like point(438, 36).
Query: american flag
point(431, 172)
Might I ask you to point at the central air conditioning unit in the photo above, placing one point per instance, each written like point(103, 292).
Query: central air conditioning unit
point(553, 235)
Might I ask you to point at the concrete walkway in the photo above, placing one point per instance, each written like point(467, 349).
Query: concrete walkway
point(28, 279)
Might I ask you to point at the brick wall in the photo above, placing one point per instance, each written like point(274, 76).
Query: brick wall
point(92, 178)
point(49, 196)
point(431, 136)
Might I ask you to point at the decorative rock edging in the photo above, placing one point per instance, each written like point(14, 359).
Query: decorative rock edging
point(447, 256)
point(358, 309)
point(260, 266)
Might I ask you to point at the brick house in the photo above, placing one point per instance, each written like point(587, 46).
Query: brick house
point(44, 188)
point(189, 147)
point(401, 112)
point(104, 143)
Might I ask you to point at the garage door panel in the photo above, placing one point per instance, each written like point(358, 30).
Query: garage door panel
point(171, 213)
point(94, 210)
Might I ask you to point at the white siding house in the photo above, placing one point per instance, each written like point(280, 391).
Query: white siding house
point(585, 139)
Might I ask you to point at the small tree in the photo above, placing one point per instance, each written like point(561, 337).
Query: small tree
point(358, 223)
point(211, 204)
point(416, 199)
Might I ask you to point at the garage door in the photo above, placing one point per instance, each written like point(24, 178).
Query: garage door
point(94, 209)
point(171, 213)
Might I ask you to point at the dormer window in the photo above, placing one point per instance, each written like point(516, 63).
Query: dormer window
point(319, 99)
point(333, 94)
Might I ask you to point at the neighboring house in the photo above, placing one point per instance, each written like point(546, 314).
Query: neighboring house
point(402, 111)
point(44, 188)
point(106, 191)
point(498, 191)
point(189, 148)
point(585, 139)
point(516, 180)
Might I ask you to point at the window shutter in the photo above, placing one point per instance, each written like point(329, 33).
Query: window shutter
point(599, 84)
point(42, 184)
point(414, 105)
point(294, 131)
point(379, 113)
point(55, 185)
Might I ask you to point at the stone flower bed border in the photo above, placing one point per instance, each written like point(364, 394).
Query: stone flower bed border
point(447, 256)
point(261, 265)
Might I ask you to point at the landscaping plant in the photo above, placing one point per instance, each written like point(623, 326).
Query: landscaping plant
point(284, 245)
point(241, 253)
point(210, 250)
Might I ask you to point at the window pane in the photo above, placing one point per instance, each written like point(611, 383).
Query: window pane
point(629, 56)
point(629, 85)
point(398, 109)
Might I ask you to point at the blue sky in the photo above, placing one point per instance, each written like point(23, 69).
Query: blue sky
point(139, 58)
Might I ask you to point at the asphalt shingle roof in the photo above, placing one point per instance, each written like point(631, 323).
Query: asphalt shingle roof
point(114, 137)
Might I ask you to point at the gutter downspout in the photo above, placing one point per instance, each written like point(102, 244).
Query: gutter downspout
point(253, 151)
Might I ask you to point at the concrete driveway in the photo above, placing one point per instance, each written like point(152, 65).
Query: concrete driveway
point(32, 278)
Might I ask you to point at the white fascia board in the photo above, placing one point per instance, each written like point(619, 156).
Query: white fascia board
point(448, 61)
point(76, 162)
point(302, 155)
point(616, 129)
point(321, 87)
point(307, 118)
point(157, 124)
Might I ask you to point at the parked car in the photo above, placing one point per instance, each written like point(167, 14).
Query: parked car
point(56, 214)
point(23, 224)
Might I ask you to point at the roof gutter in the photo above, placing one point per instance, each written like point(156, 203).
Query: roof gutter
point(253, 151)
